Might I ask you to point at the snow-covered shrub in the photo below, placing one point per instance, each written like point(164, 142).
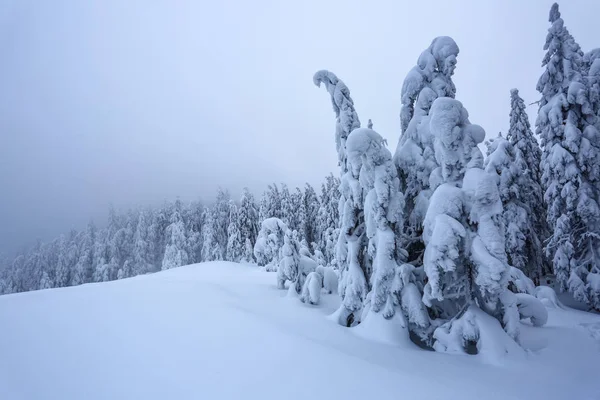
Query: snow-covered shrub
point(519, 283)
point(548, 297)
point(330, 280)
point(311, 291)
point(532, 308)
point(269, 242)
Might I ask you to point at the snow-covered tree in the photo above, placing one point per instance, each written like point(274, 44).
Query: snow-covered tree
point(371, 161)
point(311, 214)
point(297, 219)
point(529, 155)
point(248, 256)
point(290, 262)
point(415, 156)
point(221, 220)
point(84, 268)
point(269, 243)
point(63, 270)
point(351, 253)
point(524, 249)
point(270, 204)
point(567, 125)
point(175, 254)
point(286, 205)
point(329, 218)
point(465, 259)
point(248, 218)
point(210, 247)
point(235, 245)
point(143, 251)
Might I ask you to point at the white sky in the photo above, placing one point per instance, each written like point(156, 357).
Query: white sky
point(138, 101)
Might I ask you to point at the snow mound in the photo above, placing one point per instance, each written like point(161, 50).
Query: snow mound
point(379, 329)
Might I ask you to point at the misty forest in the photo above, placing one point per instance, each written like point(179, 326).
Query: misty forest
point(454, 240)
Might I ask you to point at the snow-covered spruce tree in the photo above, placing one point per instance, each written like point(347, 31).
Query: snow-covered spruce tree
point(175, 254)
point(248, 256)
point(415, 159)
point(465, 260)
point(84, 267)
point(234, 241)
point(311, 210)
point(383, 206)
point(63, 269)
point(287, 208)
point(143, 250)
point(210, 246)
point(269, 243)
point(570, 143)
point(524, 249)
point(289, 264)
point(270, 205)
point(529, 154)
point(221, 220)
point(329, 218)
point(248, 218)
point(351, 251)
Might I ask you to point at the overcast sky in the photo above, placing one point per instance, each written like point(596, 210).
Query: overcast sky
point(134, 102)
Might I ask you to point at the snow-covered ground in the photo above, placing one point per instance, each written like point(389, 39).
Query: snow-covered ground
point(223, 331)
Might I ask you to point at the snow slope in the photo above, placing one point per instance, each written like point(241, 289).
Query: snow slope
point(223, 330)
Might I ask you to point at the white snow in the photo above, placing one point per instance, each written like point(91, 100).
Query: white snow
point(223, 331)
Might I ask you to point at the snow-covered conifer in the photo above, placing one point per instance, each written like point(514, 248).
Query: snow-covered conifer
point(351, 253)
point(234, 241)
point(269, 243)
point(84, 267)
point(289, 264)
point(175, 254)
point(311, 214)
point(248, 256)
point(567, 125)
point(523, 246)
point(248, 218)
point(415, 156)
point(465, 259)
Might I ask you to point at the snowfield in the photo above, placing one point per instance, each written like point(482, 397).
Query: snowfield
point(224, 331)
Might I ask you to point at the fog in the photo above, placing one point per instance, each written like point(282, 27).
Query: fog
point(137, 102)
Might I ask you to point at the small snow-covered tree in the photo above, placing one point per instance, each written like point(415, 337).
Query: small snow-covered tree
point(311, 214)
point(234, 241)
point(329, 218)
point(143, 251)
point(290, 262)
point(175, 254)
point(351, 250)
point(415, 156)
point(567, 125)
point(84, 267)
point(221, 220)
point(210, 246)
point(269, 243)
point(523, 246)
point(248, 218)
point(287, 207)
point(248, 256)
